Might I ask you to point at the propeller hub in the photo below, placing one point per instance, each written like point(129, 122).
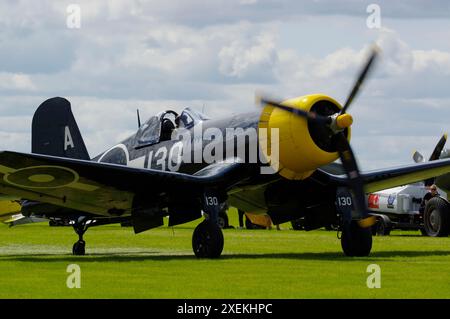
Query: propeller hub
point(345, 120)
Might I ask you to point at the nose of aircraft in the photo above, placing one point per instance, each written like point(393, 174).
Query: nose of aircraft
point(302, 146)
point(329, 133)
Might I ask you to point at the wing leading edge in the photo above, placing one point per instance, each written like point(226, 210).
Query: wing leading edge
point(377, 180)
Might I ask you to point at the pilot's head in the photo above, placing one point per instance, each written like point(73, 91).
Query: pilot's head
point(433, 189)
point(166, 129)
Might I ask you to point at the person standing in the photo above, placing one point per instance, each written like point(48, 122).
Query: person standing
point(432, 193)
point(241, 214)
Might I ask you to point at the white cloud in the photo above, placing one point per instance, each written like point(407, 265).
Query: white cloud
point(16, 81)
point(337, 62)
point(15, 141)
point(431, 60)
point(245, 56)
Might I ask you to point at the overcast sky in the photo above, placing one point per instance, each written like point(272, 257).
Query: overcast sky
point(214, 55)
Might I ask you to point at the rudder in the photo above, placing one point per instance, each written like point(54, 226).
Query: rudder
point(55, 132)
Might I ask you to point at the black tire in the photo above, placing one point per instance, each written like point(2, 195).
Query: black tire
point(382, 228)
point(436, 218)
point(250, 225)
point(78, 248)
point(356, 241)
point(223, 220)
point(297, 224)
point(207, 240)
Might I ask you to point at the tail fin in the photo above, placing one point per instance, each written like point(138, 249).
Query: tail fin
point(55, 132)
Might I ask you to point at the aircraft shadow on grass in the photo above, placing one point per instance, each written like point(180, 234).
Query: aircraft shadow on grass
point(156, 256)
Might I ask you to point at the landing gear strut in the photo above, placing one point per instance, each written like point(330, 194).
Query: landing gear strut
point(207, 239)
point(80, 228)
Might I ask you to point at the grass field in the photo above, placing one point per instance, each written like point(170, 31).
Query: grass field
point(255, 264)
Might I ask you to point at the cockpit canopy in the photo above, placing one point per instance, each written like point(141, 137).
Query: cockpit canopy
point(190, 118)
point(159, 128)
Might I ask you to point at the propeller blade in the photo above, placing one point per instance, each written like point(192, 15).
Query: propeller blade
point(356, 182)
point(308, 115)
point(439, 147)
point(435, 155)
point(361, 78)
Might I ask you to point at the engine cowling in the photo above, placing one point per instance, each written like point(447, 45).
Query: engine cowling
point(303, 145)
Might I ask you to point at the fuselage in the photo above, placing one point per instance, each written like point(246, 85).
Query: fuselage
point(271, 143)
point(228, 138)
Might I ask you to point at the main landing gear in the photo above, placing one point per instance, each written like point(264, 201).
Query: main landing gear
point(207, 239)
point(355, 240)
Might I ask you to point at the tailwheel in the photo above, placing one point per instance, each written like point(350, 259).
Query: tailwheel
point(79, 248)
point(80, 227)
point(356, 241)
point(207, 240)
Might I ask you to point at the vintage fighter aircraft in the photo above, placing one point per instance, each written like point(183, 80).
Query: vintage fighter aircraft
point(143, 178)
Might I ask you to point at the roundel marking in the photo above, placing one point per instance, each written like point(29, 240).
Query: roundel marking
point(42, 177)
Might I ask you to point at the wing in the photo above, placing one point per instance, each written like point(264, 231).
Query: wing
point(19, 219)
point(100, 188)
point(387, 178)
point(8, 209)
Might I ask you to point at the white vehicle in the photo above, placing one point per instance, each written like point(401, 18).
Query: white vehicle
point(399, 208)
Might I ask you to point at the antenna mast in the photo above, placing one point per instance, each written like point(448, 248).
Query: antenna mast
point(138, 118)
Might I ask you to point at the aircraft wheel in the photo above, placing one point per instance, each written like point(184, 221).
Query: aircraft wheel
point(382, 228)
point(356, 241)
point(436, 219)
point(79, 248)
point(207, 240)
point(297, 224)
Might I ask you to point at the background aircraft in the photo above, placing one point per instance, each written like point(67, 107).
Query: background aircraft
point(134, 180)
point(436, 154)
point(439, 152)
point(402, 207)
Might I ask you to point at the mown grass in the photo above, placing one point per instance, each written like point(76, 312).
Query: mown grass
point(255, 264)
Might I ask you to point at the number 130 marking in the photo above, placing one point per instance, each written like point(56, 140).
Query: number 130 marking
point(345, 201)
point(212, 200)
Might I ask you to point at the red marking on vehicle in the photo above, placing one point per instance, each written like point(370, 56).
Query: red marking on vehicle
point(374, 201)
